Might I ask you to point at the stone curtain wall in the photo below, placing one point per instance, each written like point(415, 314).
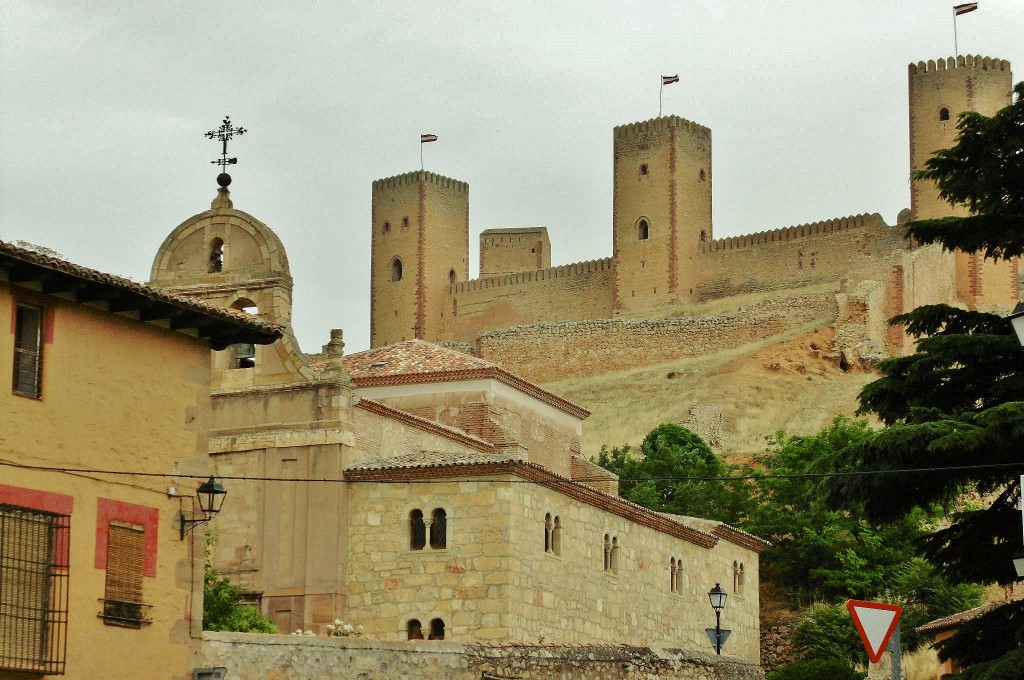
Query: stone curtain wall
point(280, 657)
point(574, 292)
point(550, 351)
point(795, 257)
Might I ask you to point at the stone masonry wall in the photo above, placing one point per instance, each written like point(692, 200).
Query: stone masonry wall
point(549, 351)
point(569, 292)
point(248, 656)
point(494, 581)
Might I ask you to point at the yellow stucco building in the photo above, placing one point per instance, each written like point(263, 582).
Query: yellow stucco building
point(104, 412)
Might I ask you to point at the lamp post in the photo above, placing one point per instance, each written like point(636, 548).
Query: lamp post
point(211, 494)
point(718, 597)
point(1016, 320)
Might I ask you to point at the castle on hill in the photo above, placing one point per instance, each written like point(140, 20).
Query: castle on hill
point(665, 259)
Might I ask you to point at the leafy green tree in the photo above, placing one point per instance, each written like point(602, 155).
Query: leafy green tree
point(677, 472)
point(222, 611)
point(959, 399)
point(816, 669)
point(826, 633)
point(817, 552)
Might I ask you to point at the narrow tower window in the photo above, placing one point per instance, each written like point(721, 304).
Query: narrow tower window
point(943, 113)
point(386, 228)
point(556, 536)
point(451, 276)
point(216, 256)
point(417, 530)
point(643, 169)
point(643, 229)
point(436, 629)
point(396, 269)
point(702, 176)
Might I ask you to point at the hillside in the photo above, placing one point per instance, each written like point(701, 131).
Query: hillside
point(792, 383)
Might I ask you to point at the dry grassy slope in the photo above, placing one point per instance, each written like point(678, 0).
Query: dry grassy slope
point(788, 383)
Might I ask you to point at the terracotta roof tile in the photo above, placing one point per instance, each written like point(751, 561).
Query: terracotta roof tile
point(958, 619)
point(430, 459)
point(418, 361)
point(61, 276)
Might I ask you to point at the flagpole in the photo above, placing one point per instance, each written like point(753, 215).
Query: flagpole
point(956, 51)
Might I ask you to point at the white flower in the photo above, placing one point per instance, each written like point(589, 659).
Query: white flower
point(338, 622)
point(349, 629)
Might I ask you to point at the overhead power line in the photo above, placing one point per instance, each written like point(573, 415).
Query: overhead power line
point(582, 480)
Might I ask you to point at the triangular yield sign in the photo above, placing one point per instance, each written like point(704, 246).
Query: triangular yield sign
point(876, 622)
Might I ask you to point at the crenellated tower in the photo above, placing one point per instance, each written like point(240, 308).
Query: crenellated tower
point(419, 247)
point(661, 211)
point(939, 92)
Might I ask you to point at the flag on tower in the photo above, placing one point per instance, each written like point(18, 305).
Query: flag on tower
point(964, 8)
point(427, 138)
point(668, 80)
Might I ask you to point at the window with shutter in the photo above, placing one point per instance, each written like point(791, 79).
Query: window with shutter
point(28, 350)
point(33, 590)
point(122, 597)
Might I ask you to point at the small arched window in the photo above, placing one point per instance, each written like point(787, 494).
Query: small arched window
point(643, 169)
point(943, 113)
point(556, 536)
point(547, 532)
point(739, 578)
point(417, 530)
point(216, 259)
point(243, 355)
point(672, 584)
point(615, 555)
point(386, 227)
point(405, 223)
point(414, 630)
point(436, 629)
point(703, 235)
point(451, 276)
point(643, 229)
point(702, 176)
point(396, 269)
point(438, 528)
point(607, 553)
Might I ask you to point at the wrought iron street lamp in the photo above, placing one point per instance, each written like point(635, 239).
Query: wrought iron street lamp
point(211, 494)
point(1016, 319)
point(718, 597)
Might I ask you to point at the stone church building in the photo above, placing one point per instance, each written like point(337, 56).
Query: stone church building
point(421, 492)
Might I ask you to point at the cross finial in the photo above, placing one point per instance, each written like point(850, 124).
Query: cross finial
point(225, 132)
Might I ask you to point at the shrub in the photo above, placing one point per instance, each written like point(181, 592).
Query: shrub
point(816, 669)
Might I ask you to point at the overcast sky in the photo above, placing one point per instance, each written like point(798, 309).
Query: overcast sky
point(103, 107)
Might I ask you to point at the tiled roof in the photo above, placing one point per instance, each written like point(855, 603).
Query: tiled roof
point(722, 530)
point(956, 620)
point(429, 459)
point(426, 425)
point(418, 361)
point(53, 276)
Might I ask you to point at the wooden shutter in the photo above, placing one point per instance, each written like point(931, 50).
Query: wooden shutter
point(126, 554)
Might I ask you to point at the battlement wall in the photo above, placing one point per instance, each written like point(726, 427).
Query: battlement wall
point(543, 352)
point(631, 130)
point(413, 178)
point(794, 257)
point(582, 290)
point(559, 272)
point(799, 231)
point(962, 61)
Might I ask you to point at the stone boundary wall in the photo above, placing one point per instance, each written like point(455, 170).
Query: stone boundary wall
point(250, 656)
point(551, 351)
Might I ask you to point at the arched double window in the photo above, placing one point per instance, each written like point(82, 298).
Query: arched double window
point(675, 567)
point(420, 530)
point(552, 534)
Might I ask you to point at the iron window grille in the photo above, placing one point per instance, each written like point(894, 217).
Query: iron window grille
point(33, 590)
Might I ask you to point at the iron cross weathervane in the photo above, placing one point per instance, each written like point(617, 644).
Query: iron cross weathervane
point(225, 132)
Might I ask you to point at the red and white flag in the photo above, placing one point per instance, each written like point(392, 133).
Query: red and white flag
point(427, 138)
point(668, 80)
point(964, 8)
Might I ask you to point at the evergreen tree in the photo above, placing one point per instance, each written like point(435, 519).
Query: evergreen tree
point(959, 399)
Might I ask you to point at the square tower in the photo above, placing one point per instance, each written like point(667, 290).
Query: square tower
point(419, 247)
point(661, 211)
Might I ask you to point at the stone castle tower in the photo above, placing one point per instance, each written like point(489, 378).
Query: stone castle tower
point(420, 245)
point(661, 211)
point(939, 92)
point(664, 256)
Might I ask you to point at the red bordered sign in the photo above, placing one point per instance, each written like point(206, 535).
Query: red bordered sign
point(876, 622)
